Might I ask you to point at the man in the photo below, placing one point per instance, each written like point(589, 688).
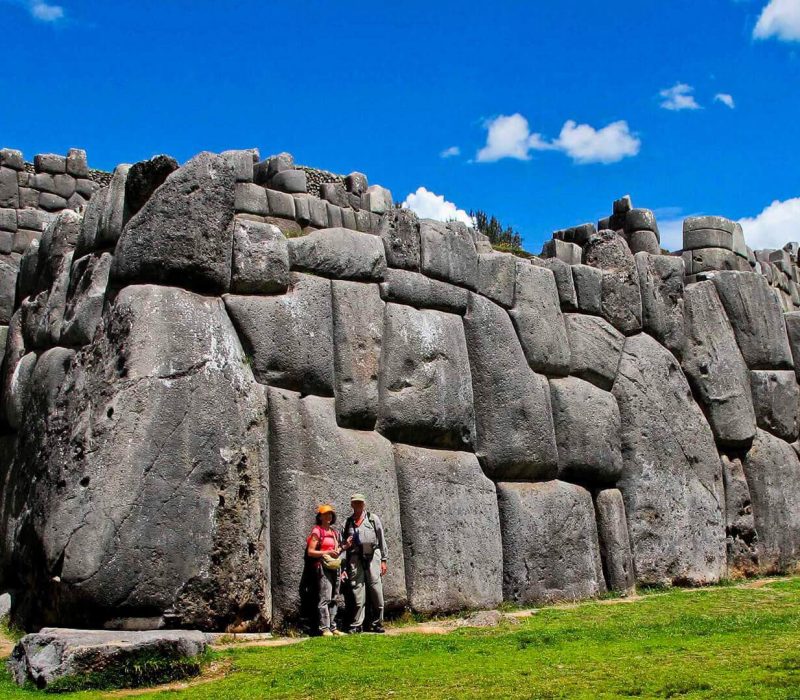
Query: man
point(365, 545)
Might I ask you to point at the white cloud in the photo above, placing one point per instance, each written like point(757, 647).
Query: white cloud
point(429, 205)
point(726, 99)
point(678, 97)
point(779, 19)
point(775, 226)
point(46, 13)
point(510, 137)
point(585, 144)
point(450, 152)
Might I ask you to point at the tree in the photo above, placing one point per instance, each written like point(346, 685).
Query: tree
point(494, 231)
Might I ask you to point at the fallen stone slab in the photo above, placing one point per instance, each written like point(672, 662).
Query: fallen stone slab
point(65, 659)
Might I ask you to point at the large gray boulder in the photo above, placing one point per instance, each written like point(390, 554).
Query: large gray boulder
point(496, 277)
point(757, 319)
point(740, 527)
point(260, 261)
point(400, 231)
point(445, 501)
point(8, 288)
point(72, 655)
point(539, 322)
point(587, 432)
point(776, 399)
point(357, 340)
point(707, 232)
point(448, 253)
point(715, 367)
point(672, 478)
point(562, 272)
point(550, 547)
point(661, 284)
point(144, 178)
point(621, 297)
point(514, 435)
point(313, 461)
point(595, 349)
point(339, 253)
point(113, 211)
point(772, 470)
point(85, 298)
point(425, 388)
point(183, 235)
point(792, 320)
point(289, 337)
point(615, 545)
point(588, 283)
point(415, 289)
point(139, 486)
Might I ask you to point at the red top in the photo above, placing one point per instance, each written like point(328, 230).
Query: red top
point(328, 540)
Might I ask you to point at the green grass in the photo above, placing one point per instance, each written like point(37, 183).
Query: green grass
point(720, 642)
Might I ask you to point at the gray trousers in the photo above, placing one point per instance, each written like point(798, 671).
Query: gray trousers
point(328, 590)
point(366, 577)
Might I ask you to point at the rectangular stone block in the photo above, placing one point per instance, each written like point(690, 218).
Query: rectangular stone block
point(302, 211)
point(445, 500)
point(588, 283)
point(49, 163)
point(260, 261)
point(415, 289)
point(77, 165)
point(251, 199)
point(497, 274)
point(318, 212)
point(314, 461)
point(23, 238)
point(357, 340)
point(425, 389)
point(280, 204)
point(776, 399)
point(52, 202)
point(9, 188)
point(6, 242)
point(448, 253)
point(550, 547)
point(334, 215)
point(707, 238)
point(242, 162)
point(349, 219)
point(8, 220)
point(570, 253)
point(11, 158)
point(615, 546)
point(28, 198)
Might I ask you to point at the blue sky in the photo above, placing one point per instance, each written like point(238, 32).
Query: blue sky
point(550, 110)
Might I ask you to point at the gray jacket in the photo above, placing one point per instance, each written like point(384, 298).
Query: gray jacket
point(366, 538)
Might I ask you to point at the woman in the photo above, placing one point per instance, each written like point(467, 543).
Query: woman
point(324, 548)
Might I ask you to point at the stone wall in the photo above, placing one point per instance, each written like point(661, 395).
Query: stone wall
point(204, 354)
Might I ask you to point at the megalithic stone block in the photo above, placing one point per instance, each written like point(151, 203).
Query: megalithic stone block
point(400, 231)
point(444, 501)
point(425, 388)
point(538, 320)
point(448, 253)
point(772, 470)
point(314, 461)
point(776, 399)
point(757, 319)
point(339, 253)
point(595, 349)
point(715, 367)
point(515, 437)
point(615, 546)
point(661, 284)
point(672, 478)
point(550, 547)
point(740, 527)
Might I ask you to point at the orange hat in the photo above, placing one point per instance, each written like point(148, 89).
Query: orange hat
point(326, 508)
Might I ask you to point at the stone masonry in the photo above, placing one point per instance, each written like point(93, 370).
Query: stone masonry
point(195, 356)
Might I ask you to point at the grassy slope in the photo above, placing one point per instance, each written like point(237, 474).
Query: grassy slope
point(716, 643)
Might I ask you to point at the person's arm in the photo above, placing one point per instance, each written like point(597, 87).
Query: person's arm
point(381, 538)
point(314, 543)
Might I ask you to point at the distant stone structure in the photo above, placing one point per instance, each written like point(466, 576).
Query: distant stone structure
point(201, 354)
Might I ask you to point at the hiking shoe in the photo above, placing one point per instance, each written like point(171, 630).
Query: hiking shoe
point(377, 629)
point(338, 633)
point(327, 633)
point(355, 630)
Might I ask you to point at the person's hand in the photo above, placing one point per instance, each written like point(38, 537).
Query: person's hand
point(348, 543)
point(344, 574)
point(383, 568)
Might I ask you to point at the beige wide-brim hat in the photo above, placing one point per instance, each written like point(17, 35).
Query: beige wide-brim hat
point(358, 497)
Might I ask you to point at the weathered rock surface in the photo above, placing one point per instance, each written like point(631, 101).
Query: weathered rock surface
point(445, 500)
point(550, 547)
point(415, 289)
point(85, 299)
point(314, 461)
point(588, 283)
point(715, 367)
point(772, 470)
point(621, 298)
point(587, 427)
point(595, 349)
point(615, 546)
point(793, 332)
point(357, 339)
point(776, 399)
point(339, 253)
point(514, 435)
point(425, 389)
point(400, 231)
point(289, 336)
point(183, 234)
point(448, 253)
point(672, 478)
point(260, 262)
point(740, 528)
point(496, 277)
point(661, 284)
point(55, 654)
point(144, 178)
point(757, 319)
point(565, 285)
point(538, 320)
point(145, 487)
